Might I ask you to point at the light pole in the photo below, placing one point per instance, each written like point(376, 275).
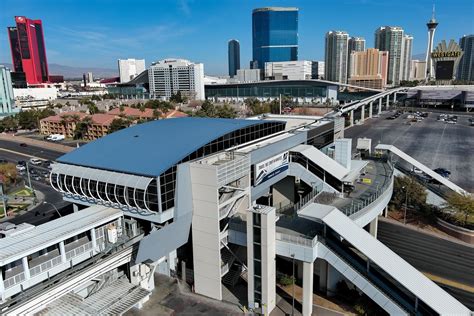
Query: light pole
point(55, 208)
point(293, 287)
point(406, 205)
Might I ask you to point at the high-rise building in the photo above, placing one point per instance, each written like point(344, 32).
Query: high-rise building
point(234, 57)
point(274, 35)
point(168, 76)
point(130, 68)
point(335, 62)
point(466, 65)
point(28, 49)
point(417, 70)
point(289, 70)
point(90, 77)
point(406, 57)
point(390, 38)
point(248, 75)
point(318, 70)
point(369, 68)
point(6, 92)
point(355, 44)
point(432, 24)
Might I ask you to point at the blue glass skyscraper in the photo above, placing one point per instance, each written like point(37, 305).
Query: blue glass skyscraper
point(274, 35)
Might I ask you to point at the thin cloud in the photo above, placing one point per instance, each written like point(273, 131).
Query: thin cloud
point(184, 7)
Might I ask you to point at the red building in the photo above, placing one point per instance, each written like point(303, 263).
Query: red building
point(28, 49)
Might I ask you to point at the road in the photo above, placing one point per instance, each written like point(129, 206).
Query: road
point(43, 212)
point(433, 143)
point(30, 150)
point(451, 260)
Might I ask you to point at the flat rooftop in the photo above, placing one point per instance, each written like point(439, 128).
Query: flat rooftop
point(40, 237)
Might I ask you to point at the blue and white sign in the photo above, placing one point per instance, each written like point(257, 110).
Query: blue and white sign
point(269, 168)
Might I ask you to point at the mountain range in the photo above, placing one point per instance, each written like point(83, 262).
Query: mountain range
point(70, 72)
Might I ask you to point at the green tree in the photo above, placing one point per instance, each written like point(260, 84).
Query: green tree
point(463, 205)
point(176, 98)
point(92, 108)
point(8, 173)
point(407, 188)
point(82, 127)
point(226, 111)
point(118, 124)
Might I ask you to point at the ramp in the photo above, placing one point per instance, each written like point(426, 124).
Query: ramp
point(389, 262)
point(422, 167)
point(320, 159)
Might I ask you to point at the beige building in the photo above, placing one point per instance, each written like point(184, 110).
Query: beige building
point(369, 68)
point(418, 69)
point(64, 123)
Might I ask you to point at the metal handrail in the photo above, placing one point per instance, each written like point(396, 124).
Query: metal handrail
point(45, 266)
point(78, 251)
point(11, 281)
point(299, 240)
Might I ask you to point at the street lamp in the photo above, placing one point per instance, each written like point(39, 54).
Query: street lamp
point(406, 205)
point(55, 208)
point(29, 177)
point(293, 287)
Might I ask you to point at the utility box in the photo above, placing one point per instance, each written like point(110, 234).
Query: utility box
point(112, 234)
point(343, 152)
point(364, 146)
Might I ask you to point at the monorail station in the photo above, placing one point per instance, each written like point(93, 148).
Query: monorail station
point(244, 195)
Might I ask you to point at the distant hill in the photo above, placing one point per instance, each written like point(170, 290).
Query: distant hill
point(76, 72)
point(419, 56)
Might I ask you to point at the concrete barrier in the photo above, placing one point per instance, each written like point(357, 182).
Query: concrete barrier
point(464, 234)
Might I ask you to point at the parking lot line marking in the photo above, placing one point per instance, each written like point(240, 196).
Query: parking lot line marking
point(439, 144)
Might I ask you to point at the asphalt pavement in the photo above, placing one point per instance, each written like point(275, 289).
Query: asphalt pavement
point(43, 212)
point(40, 152)
point(435, 144)
point(427, 252)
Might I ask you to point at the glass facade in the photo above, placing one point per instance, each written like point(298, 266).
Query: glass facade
point(274, 35)
point(234, 57)
point(295, 89)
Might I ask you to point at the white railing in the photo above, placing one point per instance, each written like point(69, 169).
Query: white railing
point(298, 240)
point(45, 266)
point(20, 277)
point(78, 251)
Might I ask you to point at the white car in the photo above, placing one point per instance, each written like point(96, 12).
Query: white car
point(20, 168)
point(416, 170)
point(36, 161)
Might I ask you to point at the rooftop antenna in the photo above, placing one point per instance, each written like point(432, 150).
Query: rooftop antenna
point(433, 15)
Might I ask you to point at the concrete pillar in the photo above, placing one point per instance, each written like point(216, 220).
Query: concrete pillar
point(75, 208)
point(26, 267)
point(62, 251)
point(362, 114)
point(371, 108)
point(2, 285)
point(380, 106)
point(183, 271)
point(388, 101)
point(352, 118)
point(373, 225)
point(94, 240)
point(386, 211)
point(307, 288)
point(323, 276)
point(394, 97)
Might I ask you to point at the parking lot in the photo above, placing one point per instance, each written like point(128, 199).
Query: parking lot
point(435, 144)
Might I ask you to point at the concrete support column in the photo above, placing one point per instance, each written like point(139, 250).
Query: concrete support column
point(307, 288)
point(394, 97)
point(26, 267)
point(75, 208)
point(62, 251)
point(323, 276)
point(380, 106)
point(2, 285)
point(386, 211)
point(373, 226)
point(362, 114)
point(94, 240)
point(388, 101)
point(352, 118)
point(371, 108)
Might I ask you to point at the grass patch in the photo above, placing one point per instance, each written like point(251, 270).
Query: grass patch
point(22, 192)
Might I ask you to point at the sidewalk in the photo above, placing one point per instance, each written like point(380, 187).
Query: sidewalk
point(24, 200)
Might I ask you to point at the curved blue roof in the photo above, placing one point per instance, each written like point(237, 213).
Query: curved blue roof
point(153, 147)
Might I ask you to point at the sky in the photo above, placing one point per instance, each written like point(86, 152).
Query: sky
point(92, 33)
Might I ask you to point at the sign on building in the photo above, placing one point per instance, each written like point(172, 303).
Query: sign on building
point(271, 167)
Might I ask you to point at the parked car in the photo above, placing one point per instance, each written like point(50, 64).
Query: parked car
point(23, 145)
point(22, 163)
point(443, 172)
point(36, 161)
point(20, 167)
point(416, 170)
point(55, 137)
